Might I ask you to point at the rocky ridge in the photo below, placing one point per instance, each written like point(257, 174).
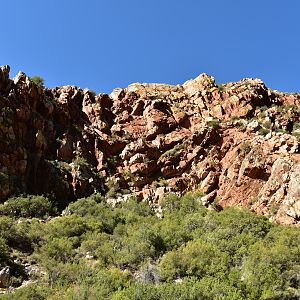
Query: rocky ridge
point(235, 143)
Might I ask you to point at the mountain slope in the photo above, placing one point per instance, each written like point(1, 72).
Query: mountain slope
point(237, 143)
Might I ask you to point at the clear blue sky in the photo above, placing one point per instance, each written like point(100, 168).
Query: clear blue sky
point(111, 43)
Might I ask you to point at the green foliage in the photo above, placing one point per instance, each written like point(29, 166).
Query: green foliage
point(296, 125)
point(188, 289)
point(94, 251)
point(267, 124)
point(174, 151)
point(220, 87)
point(33, 291)
point(272, 268)
point(170, 203)
point(263, 131)
point(39, 81)
point(15, 234)
point(213, 123)
point(160, 181)
point(137, 208)
point(7, 113)
point(92, 93)
point(80, 161)
point(139, 243)
point(297, 135)
point(4, 178)
point(27, 206)
point(197, 258)
point(245, 147)
point(4, 250)
point(111, 161)
point(82, 207)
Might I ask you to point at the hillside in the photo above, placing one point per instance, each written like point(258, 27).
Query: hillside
point(237, 144)
point(146, 193)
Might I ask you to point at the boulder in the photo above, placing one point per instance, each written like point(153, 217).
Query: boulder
point(4, 277)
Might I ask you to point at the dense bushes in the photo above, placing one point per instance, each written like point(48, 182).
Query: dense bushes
point(95, 251)
point(27, 206)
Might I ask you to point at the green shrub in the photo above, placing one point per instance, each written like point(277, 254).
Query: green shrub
point(267, 124)
point(4, 250)
point(139, 244)
point(137, 208)
point(27, 206)
point(272, 266)
point(82, 207)
point(71, 226)
point(213, 123)
point(39, 81)
point(95, 251)
point(32, 291)
point(245, 147)
point(4, 179)
point(220, 87)
point(263, 131)
point(15, 234)
point(197, 258)
point(92, 93)
point(170, 203)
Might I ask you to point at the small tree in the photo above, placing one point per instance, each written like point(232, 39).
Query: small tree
point(39, 81)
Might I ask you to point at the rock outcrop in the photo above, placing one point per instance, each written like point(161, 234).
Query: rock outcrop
point(237, 143)
point(4, 277)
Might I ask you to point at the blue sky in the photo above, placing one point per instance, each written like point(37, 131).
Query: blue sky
point(111, 43)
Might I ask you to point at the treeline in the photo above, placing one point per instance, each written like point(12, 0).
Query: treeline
point(94, 251)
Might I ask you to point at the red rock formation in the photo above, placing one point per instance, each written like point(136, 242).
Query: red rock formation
point(238, 143)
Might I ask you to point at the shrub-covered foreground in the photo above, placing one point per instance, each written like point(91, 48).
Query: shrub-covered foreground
point(95, 251)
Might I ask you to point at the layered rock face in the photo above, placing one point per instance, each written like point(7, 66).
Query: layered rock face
point(237, 143)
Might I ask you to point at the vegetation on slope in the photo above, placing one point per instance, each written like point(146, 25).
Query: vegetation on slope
point(94, 251)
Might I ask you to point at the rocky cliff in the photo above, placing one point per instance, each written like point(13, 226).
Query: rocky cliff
point(236, 143)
